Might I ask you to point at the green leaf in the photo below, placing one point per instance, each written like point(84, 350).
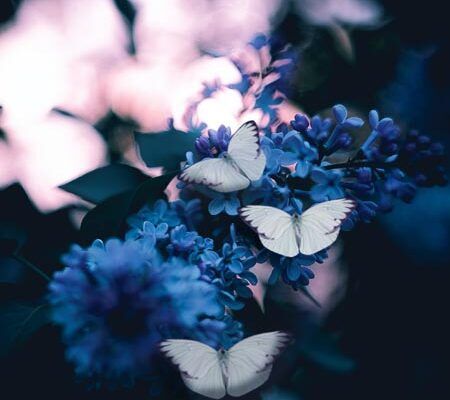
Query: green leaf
point(165, 149)
point(108, 218)
point(19, 321)
point(103, 183)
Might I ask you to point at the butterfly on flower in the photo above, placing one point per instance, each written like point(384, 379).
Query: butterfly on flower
point(233, 170)
point(237, 371)
point(314, 230)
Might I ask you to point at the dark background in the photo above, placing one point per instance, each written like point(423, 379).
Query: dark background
point(393, 322)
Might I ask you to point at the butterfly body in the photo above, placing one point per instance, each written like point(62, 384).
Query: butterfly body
point(233, 170)
point(237, 371)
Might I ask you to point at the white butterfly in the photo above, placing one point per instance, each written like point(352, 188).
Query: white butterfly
point(237, 371)
point(242, 164)
point(288, 235)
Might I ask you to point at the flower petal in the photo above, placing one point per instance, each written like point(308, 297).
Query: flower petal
point(216, 206)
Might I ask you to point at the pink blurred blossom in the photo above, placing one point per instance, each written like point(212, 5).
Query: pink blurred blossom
point(50, 151)
point(143, 92)
point(349, 12)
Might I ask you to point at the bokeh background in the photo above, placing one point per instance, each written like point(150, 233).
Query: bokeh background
point(77, 77)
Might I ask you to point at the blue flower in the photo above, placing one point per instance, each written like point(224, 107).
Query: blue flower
point(149, 234)
point(328, 185)
point(231, 258)
point(182, 240)
point(423, 160)
point(160, 212)
point(300, 123)
point(319, 130)
point(294, 271)
point(398, 187)
point(298, 151)
point(214, 144)
point(273, 155)
point(224, 202)
point(115, 303)
point(189, 212)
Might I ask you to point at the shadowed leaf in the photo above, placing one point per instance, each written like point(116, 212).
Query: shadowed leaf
point(165, 149)
point(19, 321)
point(108, 218)
point(103, 183)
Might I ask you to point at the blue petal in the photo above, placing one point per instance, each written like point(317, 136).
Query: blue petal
point(274, 276)
point(235, 266)
point(161, 229)
point(353, 122)
point(249, 262)
point(335, 192)
point(132, 234)
point(216, 206)
point(302, 169)
point(373, 118)
point(318, 175)
point(232, 205)
point(293, 271)
point(319, 192)
point(297, 204)
point(149, 228)
point(244, 291)
point(250, 276)
point(230, 301)
point(240, 251)
point(288, 158)
point(340, 113)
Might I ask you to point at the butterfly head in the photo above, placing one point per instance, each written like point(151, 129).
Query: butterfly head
point(222, 353)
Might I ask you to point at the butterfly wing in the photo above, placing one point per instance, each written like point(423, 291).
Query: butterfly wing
point(218, 173)
point(319, 225)
point(199, 366)
point(244, 150)
point(275, 227)
point(249, 362)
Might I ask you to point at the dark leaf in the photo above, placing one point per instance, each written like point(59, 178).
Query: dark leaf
point(151, 190)
point(19, 321)
point(103, 183)
point(322, 348)
point(11, 239)
point(165, 149)
point(12, 271)
point(108, 218)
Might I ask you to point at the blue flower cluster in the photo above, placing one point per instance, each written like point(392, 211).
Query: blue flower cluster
point(316, 160)
point(116, 301)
